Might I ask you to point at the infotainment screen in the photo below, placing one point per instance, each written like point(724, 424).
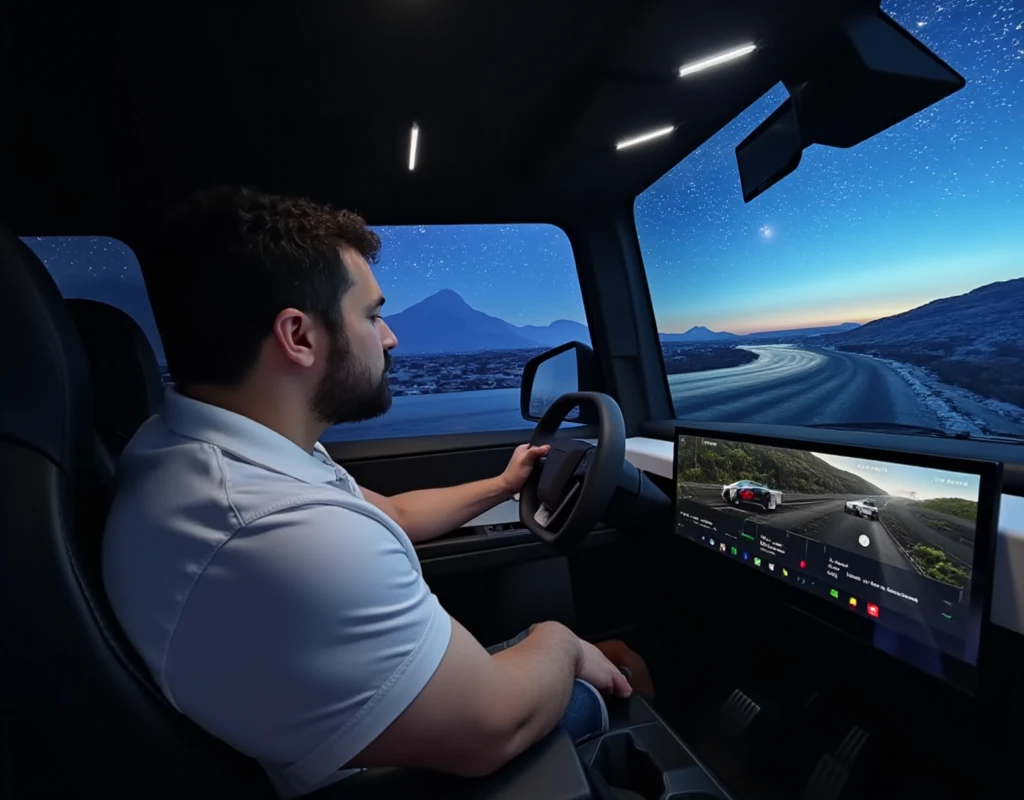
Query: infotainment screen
point(897, 544)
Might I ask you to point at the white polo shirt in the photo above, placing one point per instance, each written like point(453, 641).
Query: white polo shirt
point(273, 604)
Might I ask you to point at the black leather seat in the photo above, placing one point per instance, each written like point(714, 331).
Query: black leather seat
point(76, 700)
point(125, 376)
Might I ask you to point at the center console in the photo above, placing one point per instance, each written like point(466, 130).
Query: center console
point(641, 758)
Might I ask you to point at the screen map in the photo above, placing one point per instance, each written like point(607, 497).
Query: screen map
point(887, 541)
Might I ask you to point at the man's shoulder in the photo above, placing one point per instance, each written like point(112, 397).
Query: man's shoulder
point(161, 472)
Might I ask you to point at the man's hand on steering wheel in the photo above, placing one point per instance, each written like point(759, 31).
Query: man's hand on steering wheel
point(523, 460)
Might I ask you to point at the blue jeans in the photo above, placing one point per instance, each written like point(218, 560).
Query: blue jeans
point(586, 716)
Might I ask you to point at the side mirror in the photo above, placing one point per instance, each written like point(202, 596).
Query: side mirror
point(570, 367)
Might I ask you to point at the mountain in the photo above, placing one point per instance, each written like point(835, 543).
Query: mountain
point(558, 332)
point(445, 323)
point(698, 333)
point(976, 324)
point(701, 334)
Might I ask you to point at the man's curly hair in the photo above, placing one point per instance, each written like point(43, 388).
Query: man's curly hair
point(228, 260)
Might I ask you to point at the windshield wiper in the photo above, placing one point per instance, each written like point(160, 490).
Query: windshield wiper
point(921, 430)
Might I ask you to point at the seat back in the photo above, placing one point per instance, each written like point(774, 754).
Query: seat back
point(126, 385)
point(75, 696)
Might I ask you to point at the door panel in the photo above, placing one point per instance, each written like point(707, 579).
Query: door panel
point(497, 582)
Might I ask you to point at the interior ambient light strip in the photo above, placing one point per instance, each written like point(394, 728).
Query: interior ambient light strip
point(413, 142)
point(714, 61)
point(645, 137)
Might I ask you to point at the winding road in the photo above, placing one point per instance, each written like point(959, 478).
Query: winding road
point(819, 517)
point(786, 385)
point(799, 386)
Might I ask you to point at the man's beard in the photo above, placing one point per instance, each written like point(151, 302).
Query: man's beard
point(350, 391)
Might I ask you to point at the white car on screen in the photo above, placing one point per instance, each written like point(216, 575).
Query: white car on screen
point(862, 508)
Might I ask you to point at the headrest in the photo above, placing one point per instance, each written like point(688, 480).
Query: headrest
point(127, 389)
point(44, 382)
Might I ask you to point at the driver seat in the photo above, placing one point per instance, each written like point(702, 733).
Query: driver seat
point(77, 701)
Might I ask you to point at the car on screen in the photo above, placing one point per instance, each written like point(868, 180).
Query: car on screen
point(752, 492)
point(863, 508)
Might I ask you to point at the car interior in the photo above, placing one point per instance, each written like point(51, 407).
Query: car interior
point(801, 642)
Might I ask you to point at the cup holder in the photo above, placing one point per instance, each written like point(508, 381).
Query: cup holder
point(629, 771)
point(624, 767)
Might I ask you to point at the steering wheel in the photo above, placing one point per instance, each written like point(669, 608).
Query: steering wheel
point(568, 492)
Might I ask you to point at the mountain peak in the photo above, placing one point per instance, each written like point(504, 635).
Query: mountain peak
point(445, 298)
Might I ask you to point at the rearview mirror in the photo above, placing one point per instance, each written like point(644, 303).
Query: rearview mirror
point(871, 76)
point(570, 367)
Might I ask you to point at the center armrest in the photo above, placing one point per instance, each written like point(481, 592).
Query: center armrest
point(550, 770)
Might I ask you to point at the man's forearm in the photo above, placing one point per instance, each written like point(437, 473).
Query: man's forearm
point(426, 513)
point(540, 672)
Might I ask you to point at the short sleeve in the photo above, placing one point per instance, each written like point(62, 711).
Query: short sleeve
point(306, 635)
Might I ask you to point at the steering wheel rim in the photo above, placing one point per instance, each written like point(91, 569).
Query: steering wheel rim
point(600, 480)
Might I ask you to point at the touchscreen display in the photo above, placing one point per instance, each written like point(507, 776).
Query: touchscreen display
point(888, 542)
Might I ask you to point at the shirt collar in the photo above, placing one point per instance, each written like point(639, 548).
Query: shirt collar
point(245, 438)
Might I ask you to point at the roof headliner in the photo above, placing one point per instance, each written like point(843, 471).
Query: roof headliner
point(119, 111)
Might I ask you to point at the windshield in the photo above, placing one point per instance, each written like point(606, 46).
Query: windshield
point(879, 284)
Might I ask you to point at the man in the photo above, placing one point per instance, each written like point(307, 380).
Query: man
point(277, 604)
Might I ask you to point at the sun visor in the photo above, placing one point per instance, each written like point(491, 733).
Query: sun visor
point(872, 75)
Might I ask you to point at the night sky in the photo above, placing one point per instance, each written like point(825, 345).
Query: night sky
point(930, 208)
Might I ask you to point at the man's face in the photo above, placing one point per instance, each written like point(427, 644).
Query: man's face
point(354, 385)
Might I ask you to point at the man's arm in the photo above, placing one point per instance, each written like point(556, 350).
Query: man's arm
point(426, 513)
point(480, 711)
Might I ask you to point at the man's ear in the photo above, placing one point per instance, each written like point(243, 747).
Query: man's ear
point(296, 335)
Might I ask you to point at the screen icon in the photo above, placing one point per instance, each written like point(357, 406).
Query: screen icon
point(853, 602)
point(712, 542)
point(803, 565)
point(733, 551)
point(746, 556)
point(721, 546)
point(757, 561)
point(872, 610)
point(785, 572)
point(834, 593)
point(771, 567)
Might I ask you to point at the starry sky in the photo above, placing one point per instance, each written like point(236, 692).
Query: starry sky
point(930, 208)
point(495, 268)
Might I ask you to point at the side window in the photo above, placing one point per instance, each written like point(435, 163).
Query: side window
point(103, 269)
point(470, 305)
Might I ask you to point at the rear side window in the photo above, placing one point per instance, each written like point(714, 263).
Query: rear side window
point(104, 269)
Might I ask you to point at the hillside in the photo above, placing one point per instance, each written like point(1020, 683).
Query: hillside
point(953, 506)
point(973, 340)
point(789, 471)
